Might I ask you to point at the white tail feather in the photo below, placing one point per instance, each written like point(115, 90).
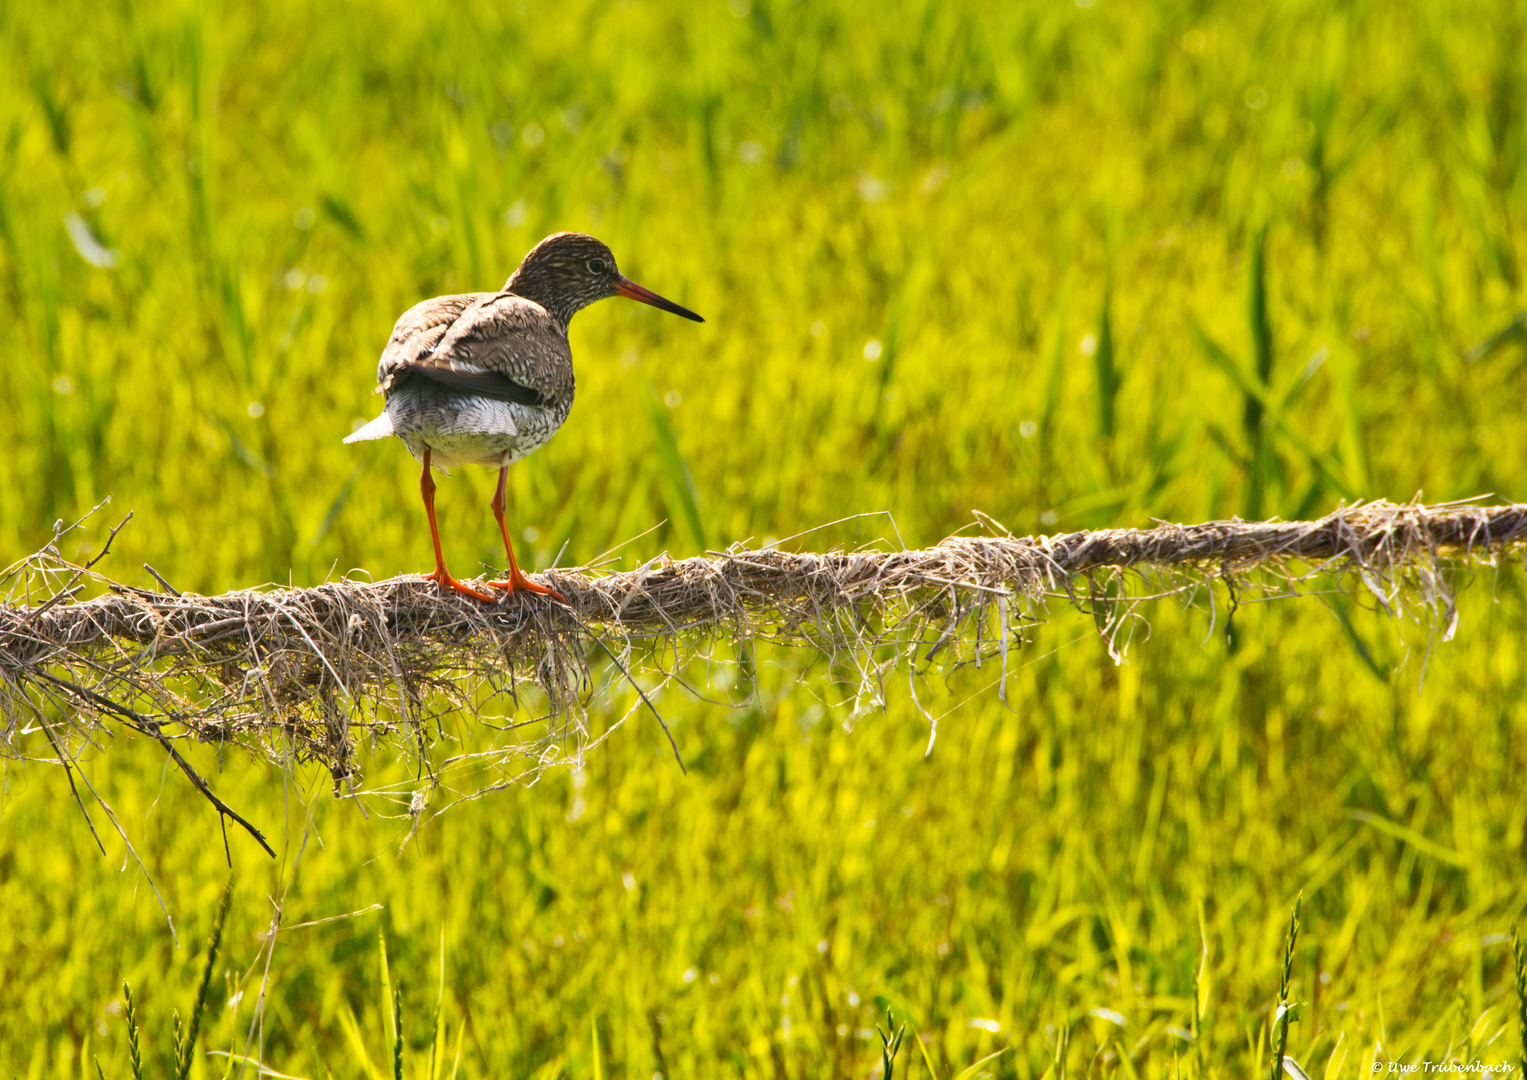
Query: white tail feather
point(379, 428)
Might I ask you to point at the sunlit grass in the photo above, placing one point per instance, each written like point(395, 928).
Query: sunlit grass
point(1070, 266)
point(1044, 863)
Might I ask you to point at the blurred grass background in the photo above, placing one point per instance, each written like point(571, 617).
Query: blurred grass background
point(1072, 266)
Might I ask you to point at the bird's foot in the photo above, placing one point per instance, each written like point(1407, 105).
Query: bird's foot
point(443, 578)
point(517, 582)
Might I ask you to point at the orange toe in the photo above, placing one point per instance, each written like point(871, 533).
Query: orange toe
point(520, 583)
point(444, 580)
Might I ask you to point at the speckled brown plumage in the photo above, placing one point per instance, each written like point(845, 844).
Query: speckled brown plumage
point(487, 378)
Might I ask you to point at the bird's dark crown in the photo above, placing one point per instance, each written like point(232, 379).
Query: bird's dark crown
point(565, 273)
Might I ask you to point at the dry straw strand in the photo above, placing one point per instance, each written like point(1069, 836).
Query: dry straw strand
point(289, 672)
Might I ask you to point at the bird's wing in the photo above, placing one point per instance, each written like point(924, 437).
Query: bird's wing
point(486, 384)
point(419, 330)
point(497, 346)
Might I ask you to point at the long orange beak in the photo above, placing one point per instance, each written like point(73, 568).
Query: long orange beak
point(629, 288)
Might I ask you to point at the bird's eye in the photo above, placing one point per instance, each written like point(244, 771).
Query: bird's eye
point(596, 266)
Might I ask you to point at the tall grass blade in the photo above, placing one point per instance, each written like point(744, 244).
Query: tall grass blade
point(1344, 371)
point(437, 1047)
point(387, 993)
point(1461, 1017)
point(1338, 1058)
point(901, 316)
point(1519, 957)
point(1262, 463)
point(674, 477)
point(56, 113)
point(246, 1062)
point(340, 213)
point(1515, 330)
point(187, 1041)
point(1201, 989)
point(352, 1030)
point(1259, 325)
point(922, 1048)
point(1293, 1069)
point(337, 506)
point(134, 1052)
point(468, 220)
point(971, 1071)
point(397, 1035)
point(890, 1044)
point(1273, 413)
point(1054, 368)
point(461, 1030)
point(1284, 1015)
point(1107, 373)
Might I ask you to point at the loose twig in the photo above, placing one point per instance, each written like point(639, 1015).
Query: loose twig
point(145, 726)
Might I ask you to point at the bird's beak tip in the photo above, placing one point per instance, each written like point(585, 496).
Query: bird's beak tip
point(632, 290)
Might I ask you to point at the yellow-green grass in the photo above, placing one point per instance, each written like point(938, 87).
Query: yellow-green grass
point(1050, 219)
point(1043, 862)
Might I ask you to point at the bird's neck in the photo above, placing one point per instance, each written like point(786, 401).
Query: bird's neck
point(540, 288)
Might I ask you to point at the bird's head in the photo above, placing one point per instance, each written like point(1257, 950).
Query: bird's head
point(568, 271)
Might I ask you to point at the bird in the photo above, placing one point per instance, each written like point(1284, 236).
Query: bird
point(487, 378)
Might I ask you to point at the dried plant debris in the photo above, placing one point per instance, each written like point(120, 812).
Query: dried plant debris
point(315, 675)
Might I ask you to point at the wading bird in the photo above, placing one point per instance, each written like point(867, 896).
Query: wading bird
point(485, 378)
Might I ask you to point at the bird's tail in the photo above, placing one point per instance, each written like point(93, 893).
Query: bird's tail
point(379, 428)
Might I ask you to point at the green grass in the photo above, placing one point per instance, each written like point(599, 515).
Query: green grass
point(1118, 263)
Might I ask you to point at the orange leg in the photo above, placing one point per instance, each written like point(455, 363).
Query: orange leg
point(516, 580)
point(441, 576)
